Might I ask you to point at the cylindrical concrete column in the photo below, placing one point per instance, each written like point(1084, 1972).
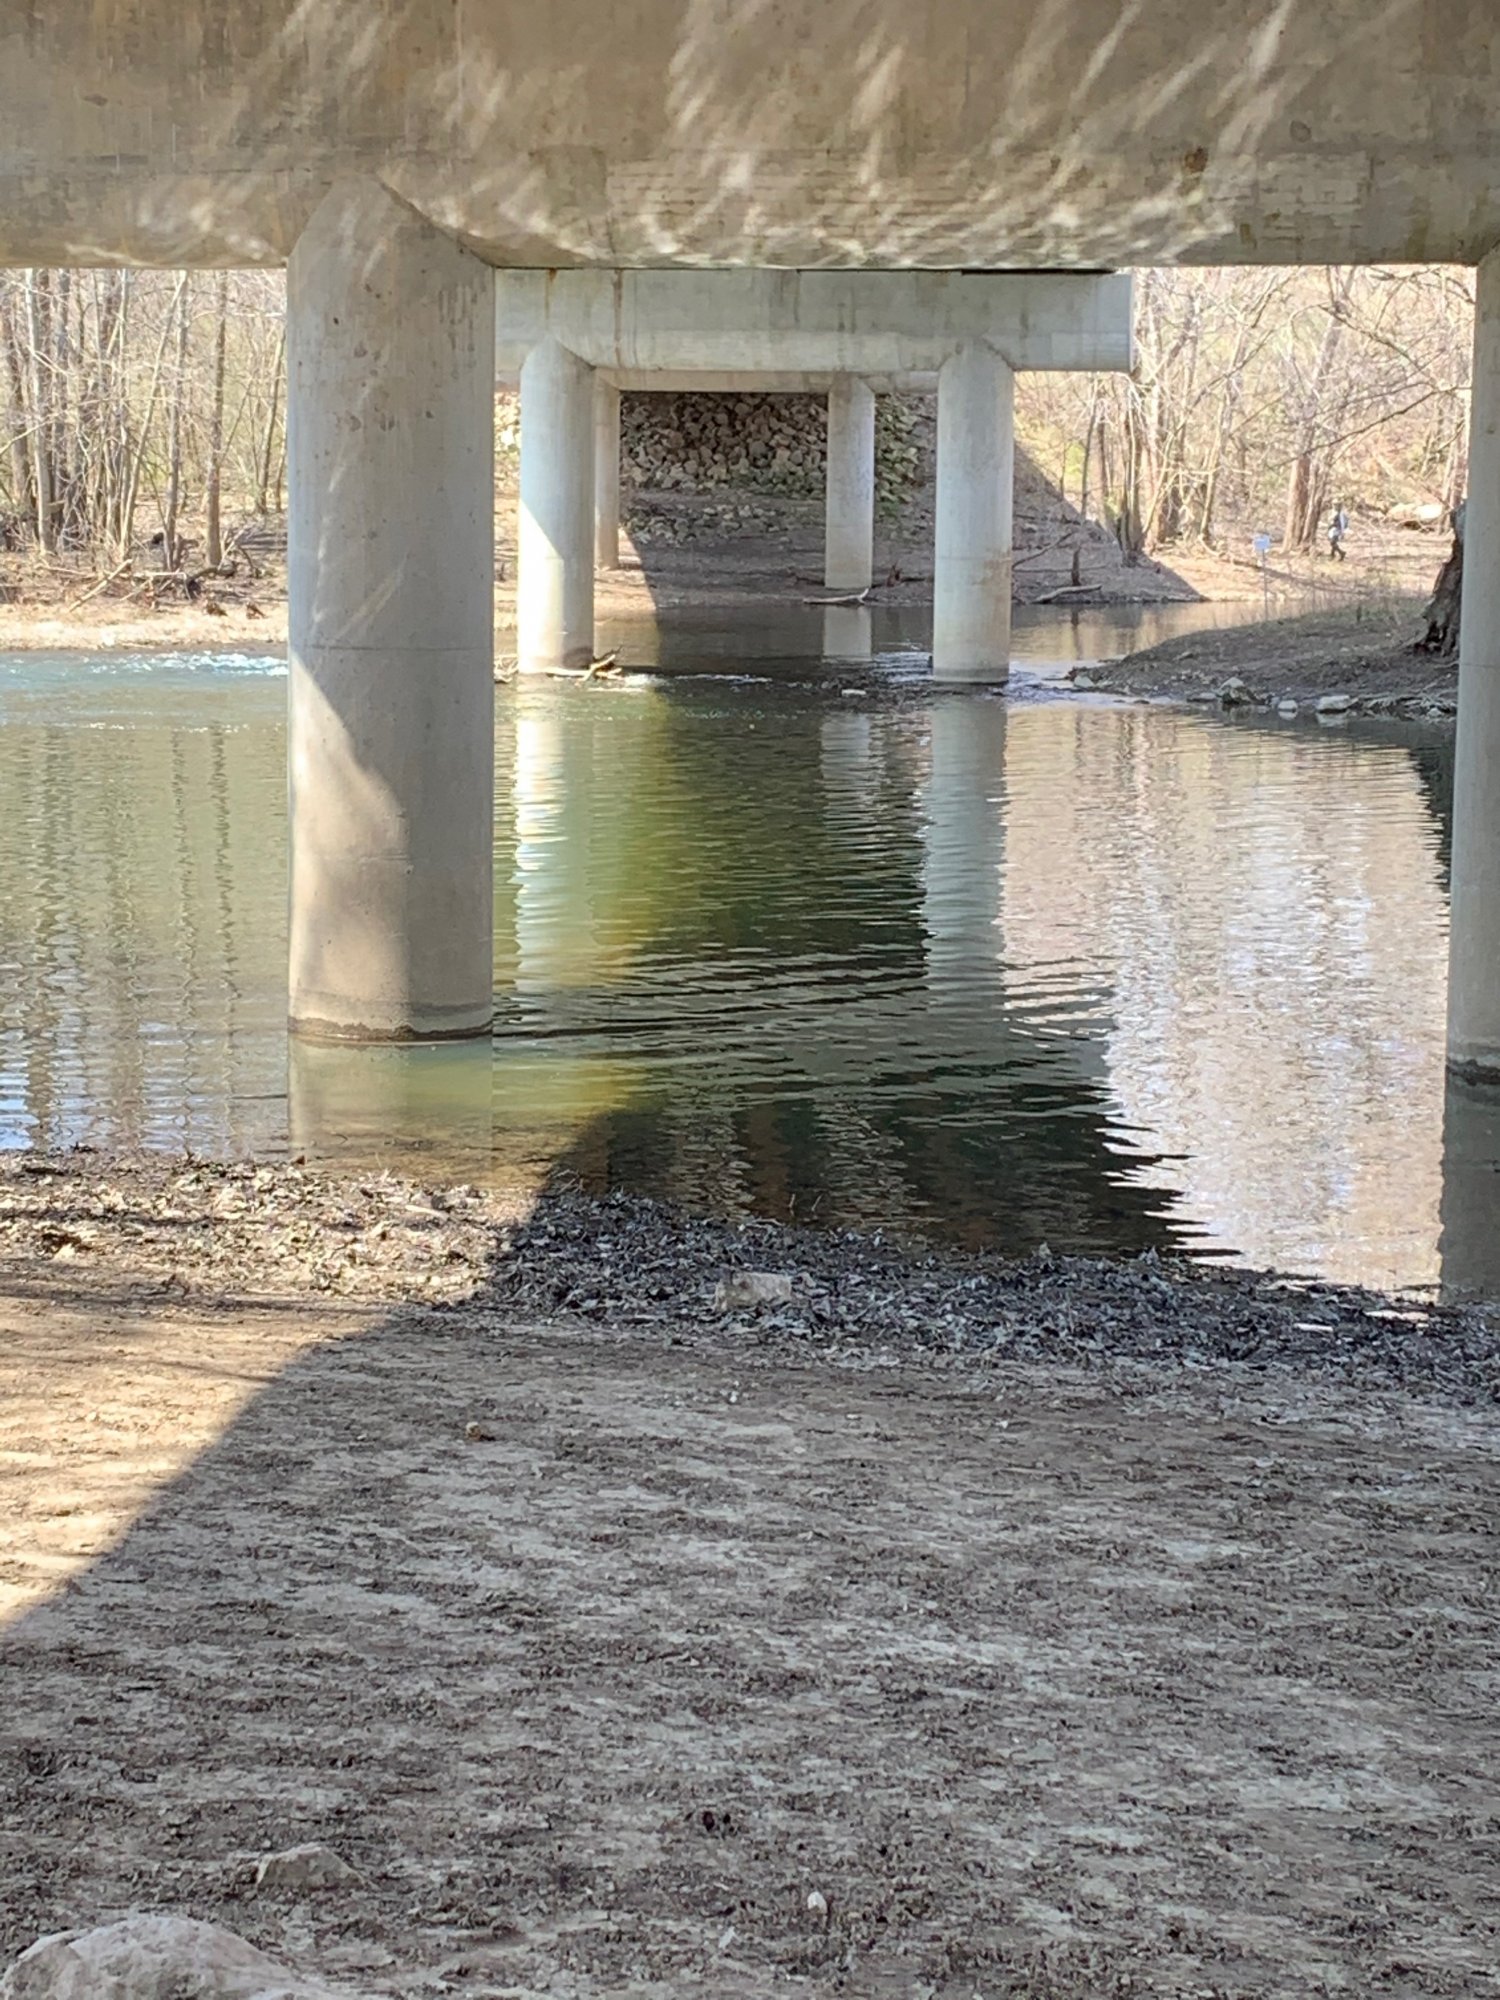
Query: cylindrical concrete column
point(1474, 934)
point(972, 556)
point(1470, 1242)
point(555, 539)
point(849, 546)
point(390, 455)
point(606, 474)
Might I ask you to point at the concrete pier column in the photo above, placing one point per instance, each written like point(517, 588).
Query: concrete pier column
point(972, 556)
point(1470, 1242)
point(606, 474)
point(1474, 932)
point(390, 428)
point(849, 546)
point(555, 541)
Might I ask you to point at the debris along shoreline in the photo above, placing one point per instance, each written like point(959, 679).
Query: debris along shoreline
point(1360, 661)
point(235, 1231)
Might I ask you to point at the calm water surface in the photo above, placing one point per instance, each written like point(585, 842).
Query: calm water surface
point(1002, 971)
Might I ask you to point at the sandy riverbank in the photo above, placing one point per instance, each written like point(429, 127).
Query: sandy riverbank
point(1065, 1628)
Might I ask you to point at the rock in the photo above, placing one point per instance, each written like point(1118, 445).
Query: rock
point(1335, 704)
point(1234, 693)
point(311, 1866)
point(153, 1957)
point(1286, 706)
point(817, 1903)
point(743, 1289)
point(1084, 680)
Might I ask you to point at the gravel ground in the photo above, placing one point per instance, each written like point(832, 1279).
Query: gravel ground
point(944, 1628)
point(236, 1231)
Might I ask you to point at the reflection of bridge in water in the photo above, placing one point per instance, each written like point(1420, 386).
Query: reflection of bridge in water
point(1096, 976)
point(1060, 974)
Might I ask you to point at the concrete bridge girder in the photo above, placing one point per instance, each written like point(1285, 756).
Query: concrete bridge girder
point(881, 134)
point(830, 323)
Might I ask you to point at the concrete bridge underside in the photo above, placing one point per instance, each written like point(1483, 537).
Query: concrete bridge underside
point(847, 133)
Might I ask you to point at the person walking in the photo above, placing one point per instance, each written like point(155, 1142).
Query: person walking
point(1338, 528)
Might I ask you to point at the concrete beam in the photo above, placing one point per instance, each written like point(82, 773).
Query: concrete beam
point(827, 323)
point(866, 134)
point(740, 382)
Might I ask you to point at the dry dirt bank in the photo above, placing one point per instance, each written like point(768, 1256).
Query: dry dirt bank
point(1364, 657)
point(1059, 1629)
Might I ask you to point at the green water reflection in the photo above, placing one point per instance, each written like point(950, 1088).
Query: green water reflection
point(1003, 972)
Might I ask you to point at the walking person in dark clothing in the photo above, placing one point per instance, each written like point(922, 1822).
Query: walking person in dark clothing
point(1338, 528)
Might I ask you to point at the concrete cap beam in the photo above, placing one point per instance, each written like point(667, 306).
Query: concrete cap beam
point(812, 324)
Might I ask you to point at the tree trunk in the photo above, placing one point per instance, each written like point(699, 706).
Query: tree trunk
point(1444, 612)
point(41, 427)
point(1307, 489)
point(171, 550)
point(263, 492)
point(213, 537)
point(22, 491)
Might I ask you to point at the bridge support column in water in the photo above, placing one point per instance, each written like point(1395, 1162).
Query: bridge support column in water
point(1474, 934)
point(849, 544)
point(972, 554)
point(606, 474)
point(555, 534)
point(1475, 923)
point(390, 398)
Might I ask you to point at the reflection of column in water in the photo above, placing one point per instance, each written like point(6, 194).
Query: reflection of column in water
point(428, 1106)
point(963, 841)
point(847, 762)
point(554, 907)
point(1470, 1243)
point(847, 632)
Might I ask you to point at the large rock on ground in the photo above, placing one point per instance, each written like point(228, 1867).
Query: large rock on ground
point(153, 1958)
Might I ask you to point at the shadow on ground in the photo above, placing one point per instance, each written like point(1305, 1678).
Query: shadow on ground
point(615, 1663)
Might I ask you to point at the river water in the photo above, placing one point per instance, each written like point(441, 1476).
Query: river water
point(1005, 972)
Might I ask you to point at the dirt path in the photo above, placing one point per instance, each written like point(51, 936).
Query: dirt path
point(599, 1653)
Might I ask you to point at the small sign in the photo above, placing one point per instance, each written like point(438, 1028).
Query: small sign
point(1262, 545)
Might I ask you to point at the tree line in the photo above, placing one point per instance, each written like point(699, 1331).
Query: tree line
point(134, 404)
point(1261, 399)
point(142, 407)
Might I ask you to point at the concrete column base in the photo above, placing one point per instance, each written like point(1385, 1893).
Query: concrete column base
point(390, 427)
point(555, 539)
point(972, 554)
